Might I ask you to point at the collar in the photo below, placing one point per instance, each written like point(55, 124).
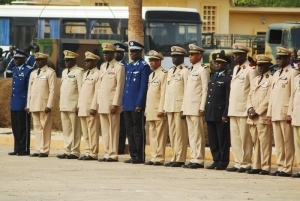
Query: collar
point(220, 73)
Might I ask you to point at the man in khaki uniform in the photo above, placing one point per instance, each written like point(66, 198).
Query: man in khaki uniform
point(296, 115)
point(193, 106)
point(108, 97)
point(41, 95)
point(89, 119)
point(241, 142)
point(69, 91)
point(279, 112)
point(154, 111)
point(176, 81)
point(257, 105)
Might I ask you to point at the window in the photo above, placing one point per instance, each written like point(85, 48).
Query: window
point(74, 29)
point(275, 36)
point(103, 3)
point(48, 28)
point(105, 29)
point(209, 19)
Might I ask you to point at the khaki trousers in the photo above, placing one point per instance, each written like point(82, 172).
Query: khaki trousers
point(158, 133)
point(178, 136)
point(241, 142)
point(90, 130)
point(196, 138)
point(110, 127)
point(261, 138)
point(297, 143)
point(71, 132)
point(42, 126)
point(284, 146)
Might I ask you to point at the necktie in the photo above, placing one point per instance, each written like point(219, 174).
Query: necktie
point(107, 65)
point(260, 79)
point(280, 71)
point(68, 70)
point(39, 71)
point(238, 70)
point(153, 75)
point(88, 73)
point(174, 70)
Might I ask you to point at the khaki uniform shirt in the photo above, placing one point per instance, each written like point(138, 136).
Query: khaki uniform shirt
point(41, 90)
point(295, 104)
point(70, 87)
point(156, 94)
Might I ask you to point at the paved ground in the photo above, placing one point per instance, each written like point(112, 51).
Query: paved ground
point(25, 178)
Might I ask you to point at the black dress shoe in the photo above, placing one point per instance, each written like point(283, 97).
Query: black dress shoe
point(111, 160)
point(188, 165)
point(283, 174)
point(12, 153)
point(62, 156)
point(264, 172)
point(297, 175)
point(137, 161)
point(242, 170)
point(149, 163)
point(177, 164)
point(81, 158)
point(220, 168)
point(23, 154)
point(89, 158)
point(34, 155)
point(42, 155)
point(72, 156)
point(128, 160)
point(196, 166)
point(168, 164)
point(275, 173)
point(253, 171)
point(102, 160)
point(158, 163)
point(211, 167)
point(232, 169)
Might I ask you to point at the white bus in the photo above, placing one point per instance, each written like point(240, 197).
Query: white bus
point(84, 28)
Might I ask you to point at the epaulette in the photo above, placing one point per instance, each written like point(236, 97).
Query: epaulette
point(144, 62)
point(188, 67)
point(30, 67)
point(121, 63)
point(51, 69)
point(79, 68)
point(204, 66)
point(163, 70)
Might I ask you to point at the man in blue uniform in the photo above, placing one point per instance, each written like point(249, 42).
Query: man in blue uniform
point(30, 60)
point(134, 101)
point(121, 48)
point(20, 119)
point(216, 113)
point(11, 62)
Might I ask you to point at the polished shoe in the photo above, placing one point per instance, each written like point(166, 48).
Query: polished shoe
point(42, 155)
point(111, 160)
point(149, 163)
point(62, 156)
point(23, 154)
point(253, 171)
point(264, 172)
point(158, 163)
point(128, 160)
point(242, 170)
point(188, 165)
point(275, 173)
point(72, 156)
point(211, 167)
point(81, 158)
point(283, 174)
point(12, 153)
point(220, 168)
point(196, 166)
point(232, 169)
point(297, 175)
point(137, 161)
point(168, 164)
point(89, 158)
point(34, 155)
point(177, 164)
point(102, 159)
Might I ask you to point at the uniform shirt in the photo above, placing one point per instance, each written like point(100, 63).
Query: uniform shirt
point(70, 88)
point(42, 89)
point(240, 87)
point(30, 60)
point(195, 91)
point(176, 82)
point(156, 94)
point(3, 65)
point(20, 80)
point(136, 84)
point(258, 97)
point(295, 104)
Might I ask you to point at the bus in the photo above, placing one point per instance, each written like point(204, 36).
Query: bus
point(85, 28)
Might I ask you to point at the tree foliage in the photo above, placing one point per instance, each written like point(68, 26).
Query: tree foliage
point(267, 3)
point(3, 2)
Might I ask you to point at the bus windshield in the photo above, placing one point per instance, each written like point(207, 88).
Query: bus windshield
point(295, 33)
point(161, 36)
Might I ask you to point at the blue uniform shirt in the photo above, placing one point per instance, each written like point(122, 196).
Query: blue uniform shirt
point(20, 79)
point(136, 85)
point(30, 60)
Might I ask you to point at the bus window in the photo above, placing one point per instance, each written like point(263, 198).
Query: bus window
point(5, 31)
point(48, 28)
point(275, 36)
point(105, 29)
point(74, 29)
point(295, 33)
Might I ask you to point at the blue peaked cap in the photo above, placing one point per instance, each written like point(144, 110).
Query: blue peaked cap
point(19, 53)
point(133, 45)
point(122, 47)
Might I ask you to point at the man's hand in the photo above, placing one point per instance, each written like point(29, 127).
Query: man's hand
point(269, 120)
point(201, 112)
point(182, 116)
point(160, 114)
point(93, 112)
point(113, 109)
point(47, 110)
point(224, 120)
point(288, 119)
point(138, 109)
point(27, 109)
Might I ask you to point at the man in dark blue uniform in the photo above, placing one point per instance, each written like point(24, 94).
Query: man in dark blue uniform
point(134, 101)
point(121, 48)
point(11, 62)
point(30, 60)
point(216, 111)
point(20, 119)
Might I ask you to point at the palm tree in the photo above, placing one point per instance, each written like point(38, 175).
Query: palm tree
point(135, 23)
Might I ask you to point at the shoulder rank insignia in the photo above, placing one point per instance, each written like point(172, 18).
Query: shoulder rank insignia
point(204, 66)
point(144, 62)
point(163, 70)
